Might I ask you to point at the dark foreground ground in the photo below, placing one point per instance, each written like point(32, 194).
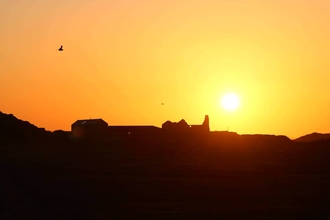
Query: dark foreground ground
point(164, 181)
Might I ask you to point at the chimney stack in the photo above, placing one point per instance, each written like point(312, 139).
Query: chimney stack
point(206, 123)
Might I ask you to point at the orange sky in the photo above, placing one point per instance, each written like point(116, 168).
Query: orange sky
point(122, 59)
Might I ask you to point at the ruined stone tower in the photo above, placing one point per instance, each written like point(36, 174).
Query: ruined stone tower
point(206, 123)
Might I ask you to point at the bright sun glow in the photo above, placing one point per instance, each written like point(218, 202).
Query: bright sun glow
point(230, 102)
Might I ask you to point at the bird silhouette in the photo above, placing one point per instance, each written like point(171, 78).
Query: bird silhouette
point(61, 48)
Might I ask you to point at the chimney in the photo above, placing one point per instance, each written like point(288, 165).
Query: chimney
point(206, 123)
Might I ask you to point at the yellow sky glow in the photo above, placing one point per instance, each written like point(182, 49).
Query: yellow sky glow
point(122, 59)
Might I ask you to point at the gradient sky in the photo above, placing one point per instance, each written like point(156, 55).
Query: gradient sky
point(123, 58)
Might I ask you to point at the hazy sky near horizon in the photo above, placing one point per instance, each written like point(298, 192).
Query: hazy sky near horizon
point(123, 58)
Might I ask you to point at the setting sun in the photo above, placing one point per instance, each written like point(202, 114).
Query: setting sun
point(187, 54)
point(230, 102)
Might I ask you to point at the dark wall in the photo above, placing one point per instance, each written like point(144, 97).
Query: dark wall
point(89, 130)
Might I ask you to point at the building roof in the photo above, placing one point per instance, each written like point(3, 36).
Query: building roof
point(88, 122)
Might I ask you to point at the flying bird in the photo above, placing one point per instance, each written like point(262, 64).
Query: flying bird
point(61, 48)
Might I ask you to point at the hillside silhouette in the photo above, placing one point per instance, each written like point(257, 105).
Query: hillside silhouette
point(13, 129)
point(217, 175)
point(313, 137)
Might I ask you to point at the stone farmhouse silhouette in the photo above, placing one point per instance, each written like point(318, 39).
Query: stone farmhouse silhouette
point(183, 127)
point(99, 129)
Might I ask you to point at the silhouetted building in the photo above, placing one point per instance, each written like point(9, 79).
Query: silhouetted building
point(168, 125)
point(205, 127)
point(177, 127)
point(183, 127)
point(98, 129)
point(88, 127)
point(137, 130)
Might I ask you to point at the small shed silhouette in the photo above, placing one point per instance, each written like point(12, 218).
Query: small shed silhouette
point(88, 127)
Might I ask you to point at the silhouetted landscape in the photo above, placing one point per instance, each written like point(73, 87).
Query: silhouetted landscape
point(179, 171)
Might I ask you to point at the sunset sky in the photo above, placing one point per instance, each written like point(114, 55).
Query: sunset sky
point(122, 59)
